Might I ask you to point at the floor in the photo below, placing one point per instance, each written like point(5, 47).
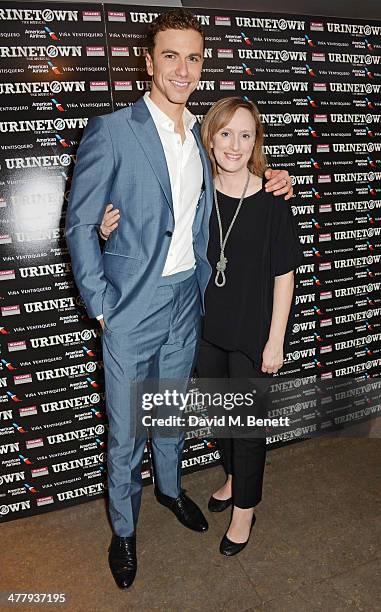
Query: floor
point(315, 546)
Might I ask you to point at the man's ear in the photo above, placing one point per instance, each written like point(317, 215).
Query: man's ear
point(149, 64)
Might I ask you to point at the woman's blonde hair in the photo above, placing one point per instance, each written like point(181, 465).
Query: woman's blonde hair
point(219, 115)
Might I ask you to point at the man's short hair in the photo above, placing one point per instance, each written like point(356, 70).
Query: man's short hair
point(175, 19)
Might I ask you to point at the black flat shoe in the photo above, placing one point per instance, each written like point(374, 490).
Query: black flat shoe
point(122, 560)
point(184, 509)
point(229, 548)
point(218, 505)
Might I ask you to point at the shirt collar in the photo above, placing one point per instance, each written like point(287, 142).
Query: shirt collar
point(161, 119)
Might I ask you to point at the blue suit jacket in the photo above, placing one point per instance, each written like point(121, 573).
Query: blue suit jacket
point(121, 160)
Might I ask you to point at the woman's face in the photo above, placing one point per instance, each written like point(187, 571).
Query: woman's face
point(233, 144)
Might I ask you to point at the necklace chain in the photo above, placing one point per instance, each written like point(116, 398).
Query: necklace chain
point(222, 262)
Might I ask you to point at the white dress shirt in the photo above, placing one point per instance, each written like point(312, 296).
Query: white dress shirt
point(186, 177)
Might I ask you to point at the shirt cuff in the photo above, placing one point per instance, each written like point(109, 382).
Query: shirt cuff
point(99, 317)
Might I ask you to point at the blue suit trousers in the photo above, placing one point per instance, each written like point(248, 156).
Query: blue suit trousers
point(161, 346)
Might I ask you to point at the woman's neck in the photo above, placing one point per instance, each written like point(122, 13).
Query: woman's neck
point(233, 184)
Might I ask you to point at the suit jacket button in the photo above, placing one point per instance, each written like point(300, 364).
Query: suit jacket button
point(168, 233)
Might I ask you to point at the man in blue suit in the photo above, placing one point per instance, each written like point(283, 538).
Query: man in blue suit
point(147, 288)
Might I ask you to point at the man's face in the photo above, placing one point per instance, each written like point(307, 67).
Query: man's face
point(175, 66)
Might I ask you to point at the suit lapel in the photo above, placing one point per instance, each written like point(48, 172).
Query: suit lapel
point(146, 133)
point(207, 169)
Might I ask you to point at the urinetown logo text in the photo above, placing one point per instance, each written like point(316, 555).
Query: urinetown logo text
point(348, 28)
point(41, 52)
point(9, 14)
point(269, 24)
point(282, 119)
point(266, 54)
point(73, 402)
point(274, 86)
point(288, 149)
point(79, 434)
point(74, 337)
point(91, 461)
point(44, 87)
point(43, 125)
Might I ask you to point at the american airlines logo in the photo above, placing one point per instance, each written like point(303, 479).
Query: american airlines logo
point(80, 369)
point(348, 28)
point(284, 119)
point(357, 177)
point(274, 86)
point(272, 55)
point(339, 118)
point(269, 24)
point(83, 401)
point(360, 234)
point(358, 290)
point(349, 58)
point(358, 316)
point(37, 15)
point(79, 434)
point(74, 337)
point(357, 342)
point(362, 205)
point(43, 125)
point(44, 87)
point(360, 88)
point(357, 262)
point(47, 269)
point(83, 462)
point(41, 52)
point(45, 161)
point(356, 147)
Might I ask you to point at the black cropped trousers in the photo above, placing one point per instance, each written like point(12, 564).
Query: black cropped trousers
point(243, 458)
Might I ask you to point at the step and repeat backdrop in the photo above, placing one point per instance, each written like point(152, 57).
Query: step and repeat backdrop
point(317, 82)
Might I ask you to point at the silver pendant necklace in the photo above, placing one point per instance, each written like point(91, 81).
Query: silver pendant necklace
point(221, 263)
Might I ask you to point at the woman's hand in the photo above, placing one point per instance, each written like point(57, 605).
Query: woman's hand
point(279, 183)
point(272, 357)
point(109, 221)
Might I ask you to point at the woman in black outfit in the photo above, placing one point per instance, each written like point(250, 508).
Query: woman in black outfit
point(247, 305)
point(253, 250)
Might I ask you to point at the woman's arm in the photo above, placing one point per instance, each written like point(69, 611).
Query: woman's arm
point(272, 357)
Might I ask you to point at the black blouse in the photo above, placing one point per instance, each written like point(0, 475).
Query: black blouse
point(262, 244)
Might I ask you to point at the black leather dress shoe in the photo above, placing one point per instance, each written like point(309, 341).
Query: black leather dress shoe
point(218, 505)
point(229, 548)
point(122, 560)
point(185, 510)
